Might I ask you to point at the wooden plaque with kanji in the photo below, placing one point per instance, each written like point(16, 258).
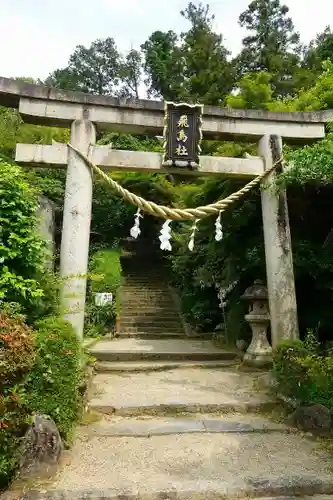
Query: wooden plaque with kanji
point(182, 135)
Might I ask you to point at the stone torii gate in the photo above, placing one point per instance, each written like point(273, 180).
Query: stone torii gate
point(83, 114)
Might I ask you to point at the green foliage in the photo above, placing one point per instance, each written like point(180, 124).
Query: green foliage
point(106, 264)
point(319, 96)
point(105, 276)
point(40, 372)
point(303, 374)
point(100, 69)
point(13, 130)
point(192, 67)
point(208, 75)
point(53, 386)
point(319, 50)
point(130, 73)
point(237, 258)
point(309, 164)
point(93, 70)
point(272, 44)
point(21, 249)
point(163, 65)
point(254, 92)
point(16, 359)
point(49, 303)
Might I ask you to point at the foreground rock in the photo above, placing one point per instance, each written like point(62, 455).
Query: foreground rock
point(315, 417)
point(41, 447)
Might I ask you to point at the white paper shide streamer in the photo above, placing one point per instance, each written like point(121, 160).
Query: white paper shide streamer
point(218, 228)
point(194, 229)
point(165, 236)
point(135, 230)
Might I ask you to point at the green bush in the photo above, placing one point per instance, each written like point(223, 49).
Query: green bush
point(302, 373)
point(16, 359)
point(106, 266)
point(21, 248)
point(49, 303)
point(53, 387)
point(105, 276)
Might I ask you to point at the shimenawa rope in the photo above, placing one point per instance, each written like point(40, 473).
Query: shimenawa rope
point(168, 213)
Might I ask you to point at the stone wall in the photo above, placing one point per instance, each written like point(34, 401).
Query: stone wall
point(46, 213)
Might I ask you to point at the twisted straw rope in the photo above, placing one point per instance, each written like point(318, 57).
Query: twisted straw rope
point(176, 213)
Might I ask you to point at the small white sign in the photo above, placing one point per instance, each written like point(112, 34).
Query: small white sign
point(101, 299)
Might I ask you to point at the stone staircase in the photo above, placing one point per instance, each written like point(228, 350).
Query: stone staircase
point(176, 418)
point(151, 334)
point(148, 307)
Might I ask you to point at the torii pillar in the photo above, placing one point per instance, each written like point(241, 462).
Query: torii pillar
point(76, 226)
point(278, 249)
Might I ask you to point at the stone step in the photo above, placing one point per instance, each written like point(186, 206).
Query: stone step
point(143, 296)
point(159, 288)
point(147, 303)
point(188, 390)
point(128, 320)
point(142, 288)
point(149, 321)
point(150, 283)
point(154, 308)
point(190, 466)
point(146, 287)
point(137, 298)
point(154, 350)
point(148, 310)
point(151, 328)
point(166, 315)
point(153, 336)
point(155, 366)
point(202, 424)
point(142, 323)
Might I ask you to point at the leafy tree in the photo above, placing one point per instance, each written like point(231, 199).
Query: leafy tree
point(130, 74)
point(208, 74)
point(272, 45)
point(254, 92)
point(317, 97)
point(64, 78)
point(163, 65)
point(94, 70)
point(319, 50)
point(192, 67)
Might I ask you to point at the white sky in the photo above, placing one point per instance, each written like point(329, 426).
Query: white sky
point(39, 35)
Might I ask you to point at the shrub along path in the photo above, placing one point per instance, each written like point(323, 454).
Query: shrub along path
point(178, 419)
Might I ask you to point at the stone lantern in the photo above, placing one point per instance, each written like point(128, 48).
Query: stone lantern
point(259, 352)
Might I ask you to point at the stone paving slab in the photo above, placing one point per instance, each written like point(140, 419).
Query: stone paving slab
point(146, 366)
point(181, 390)
point(182, 345)
point(196, 466)
point(96, 494)
point(134, 349)
point(127, 427)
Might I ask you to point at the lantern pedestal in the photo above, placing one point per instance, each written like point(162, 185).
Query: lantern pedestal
point(259, 352)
